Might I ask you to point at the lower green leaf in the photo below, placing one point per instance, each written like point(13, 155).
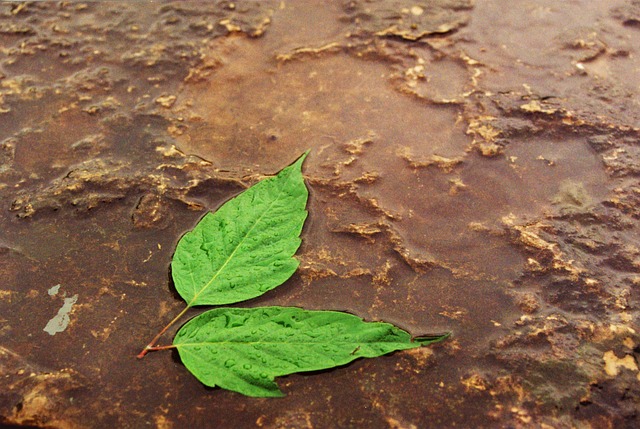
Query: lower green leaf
point(245, 349)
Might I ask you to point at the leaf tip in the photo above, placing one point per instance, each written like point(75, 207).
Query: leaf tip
point(275, 394)
point(430, 339)
point(302, 157)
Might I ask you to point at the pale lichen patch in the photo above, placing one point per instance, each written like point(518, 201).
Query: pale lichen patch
point(613, 364)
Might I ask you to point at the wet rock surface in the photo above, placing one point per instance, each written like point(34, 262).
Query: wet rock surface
point(473, 168)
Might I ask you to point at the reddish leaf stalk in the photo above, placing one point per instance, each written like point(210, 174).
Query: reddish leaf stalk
point(151, 347)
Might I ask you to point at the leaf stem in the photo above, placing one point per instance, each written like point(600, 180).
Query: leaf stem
point(151, 346)
point(157, 348)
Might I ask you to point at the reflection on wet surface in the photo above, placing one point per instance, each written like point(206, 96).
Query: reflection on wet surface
point(473, 169)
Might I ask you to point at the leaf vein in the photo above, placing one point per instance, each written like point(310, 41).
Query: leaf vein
point(230, 257)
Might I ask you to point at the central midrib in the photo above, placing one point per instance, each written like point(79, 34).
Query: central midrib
point(329, 342)
point(206, 286)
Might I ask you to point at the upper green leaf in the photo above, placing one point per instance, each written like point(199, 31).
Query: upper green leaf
point(245, 349)
point(246, 247)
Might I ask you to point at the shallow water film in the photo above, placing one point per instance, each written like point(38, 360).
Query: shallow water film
point(473, 168)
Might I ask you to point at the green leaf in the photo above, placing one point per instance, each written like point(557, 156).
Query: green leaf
point(239, 252)
point(246, 247)
point(245, 349)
